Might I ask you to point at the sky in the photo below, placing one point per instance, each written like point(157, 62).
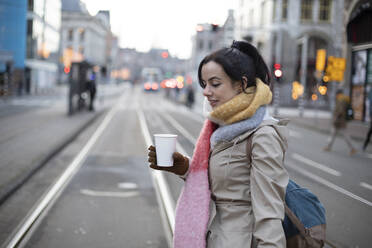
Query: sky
point(168, 24)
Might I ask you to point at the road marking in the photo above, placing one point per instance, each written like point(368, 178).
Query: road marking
point(108, 193)
point(126, 185)
point(323, 181)
point(295, 134)
point(366, 185)
point(178, 126)
point(368, 155)
point(161, 186)
point(314, 164)
point(63, 179)
point(193, 115)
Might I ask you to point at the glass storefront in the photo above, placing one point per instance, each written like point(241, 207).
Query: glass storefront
point(43, 36)
point(361, 82)
point(360, 40)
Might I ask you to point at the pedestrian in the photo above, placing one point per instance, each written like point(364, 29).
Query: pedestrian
point(366, 141)
point(339, 122)
point(229, 200)
point(190, 97)
point(92, 89)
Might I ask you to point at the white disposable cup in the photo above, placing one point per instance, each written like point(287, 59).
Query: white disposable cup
point(165, 147)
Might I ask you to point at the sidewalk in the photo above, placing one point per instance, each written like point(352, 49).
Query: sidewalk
point(322, 122)
point(31, 137)
point(318, 120)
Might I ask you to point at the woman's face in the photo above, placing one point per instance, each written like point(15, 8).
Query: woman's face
point(218, 85)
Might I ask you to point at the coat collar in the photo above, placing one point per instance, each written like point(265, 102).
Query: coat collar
point(240, 138)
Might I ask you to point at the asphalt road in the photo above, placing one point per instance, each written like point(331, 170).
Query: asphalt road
point(111, 201)
point(342, 182)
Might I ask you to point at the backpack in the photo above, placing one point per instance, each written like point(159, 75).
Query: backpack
point(304, 222)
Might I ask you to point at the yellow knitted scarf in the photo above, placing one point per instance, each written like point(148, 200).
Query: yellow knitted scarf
point(243, 105)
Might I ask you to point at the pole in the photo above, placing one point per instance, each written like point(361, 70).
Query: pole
point(276, 97)
point(304, 49)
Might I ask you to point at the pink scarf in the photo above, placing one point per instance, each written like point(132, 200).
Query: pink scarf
point(192, 211)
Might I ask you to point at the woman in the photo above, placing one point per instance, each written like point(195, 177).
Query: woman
point(229, 200)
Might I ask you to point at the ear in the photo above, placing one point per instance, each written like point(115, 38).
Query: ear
point(245, 81)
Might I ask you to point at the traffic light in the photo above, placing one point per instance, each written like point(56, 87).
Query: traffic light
point(277, 71)
point(66, 69)
point(164, 55)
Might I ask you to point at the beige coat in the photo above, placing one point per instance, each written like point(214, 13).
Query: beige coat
point(247, 206)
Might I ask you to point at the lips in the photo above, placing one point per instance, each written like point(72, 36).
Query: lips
point(212, 102)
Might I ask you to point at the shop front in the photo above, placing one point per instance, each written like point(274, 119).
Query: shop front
point(360, 38)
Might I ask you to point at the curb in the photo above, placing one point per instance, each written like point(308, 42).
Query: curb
point(20, 180)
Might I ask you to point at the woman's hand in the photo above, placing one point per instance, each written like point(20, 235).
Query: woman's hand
point(180, 162)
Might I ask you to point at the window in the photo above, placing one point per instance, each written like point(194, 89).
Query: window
point(259, 46)
point(81, 34)
point(251, 17)
point(306, 10)
point(200, 45)
point(70, 34)
point(274, 9)
point(284, 9)
point(81, 50)
point(30, 5)
point(210, 45)
point(325, 10)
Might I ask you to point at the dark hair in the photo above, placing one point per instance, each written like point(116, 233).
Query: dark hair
point(240, 60)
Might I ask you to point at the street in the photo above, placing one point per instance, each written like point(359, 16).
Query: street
point(110, 198)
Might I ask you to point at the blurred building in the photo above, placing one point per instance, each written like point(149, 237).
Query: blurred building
point(131, 62)
point(209, 38)
point(358, 51)
point(229, 29)
point(289, 33)
point(29, 43)
point(85, 38)
point(42, 42)
point(12, 45)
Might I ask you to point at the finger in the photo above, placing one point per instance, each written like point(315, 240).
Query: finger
point(152, 154)
point(177, 156)
point(154, 166)
point(152, 159)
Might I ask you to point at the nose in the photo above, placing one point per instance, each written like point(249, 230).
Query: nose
point(207, 91)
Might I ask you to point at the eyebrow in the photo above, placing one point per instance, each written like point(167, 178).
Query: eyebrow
point(214, 77)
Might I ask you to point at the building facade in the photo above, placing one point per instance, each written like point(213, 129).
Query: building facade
point(289, 33)
point(358, 51)
point(12, 46)
point(84, 38)
point(209, 38)
point(42, 42)
point(131, 62)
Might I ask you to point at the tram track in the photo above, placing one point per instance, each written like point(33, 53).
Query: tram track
point(20, 235)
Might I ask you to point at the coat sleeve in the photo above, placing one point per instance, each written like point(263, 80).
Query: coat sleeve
point(269, 180)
